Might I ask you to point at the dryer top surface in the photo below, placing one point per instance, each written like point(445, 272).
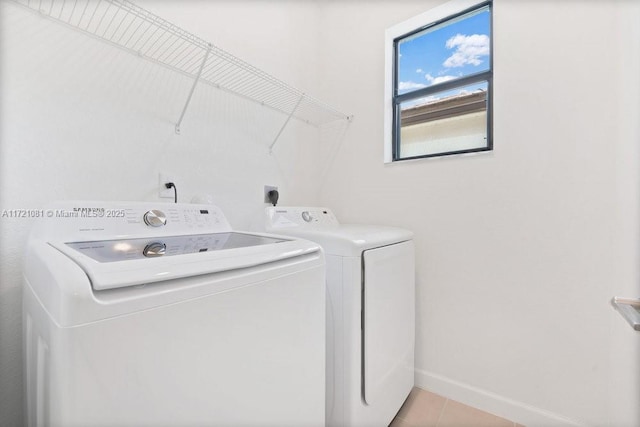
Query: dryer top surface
point(321, 226)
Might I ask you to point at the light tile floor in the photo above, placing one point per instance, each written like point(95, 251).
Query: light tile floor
point(425, 409)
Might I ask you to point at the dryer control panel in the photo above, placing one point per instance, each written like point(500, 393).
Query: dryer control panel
point(304, 217)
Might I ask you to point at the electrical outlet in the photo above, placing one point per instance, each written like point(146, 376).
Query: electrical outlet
point(268, 188)
point(164, 192)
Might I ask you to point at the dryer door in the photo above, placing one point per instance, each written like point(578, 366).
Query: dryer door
point(388, 322)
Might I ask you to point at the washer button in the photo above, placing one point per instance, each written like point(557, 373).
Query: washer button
point(155, 218)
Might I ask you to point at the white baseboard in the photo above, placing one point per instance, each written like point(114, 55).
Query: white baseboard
point(510, 409)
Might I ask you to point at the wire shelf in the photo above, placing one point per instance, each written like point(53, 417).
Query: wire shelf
point(130, 27)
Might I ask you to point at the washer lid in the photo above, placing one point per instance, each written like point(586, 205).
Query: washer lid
point(120, 263)
point(349, 239)
point(145, 248)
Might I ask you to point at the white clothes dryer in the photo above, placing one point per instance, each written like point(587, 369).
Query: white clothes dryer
point(158, 314)
point(370, 312)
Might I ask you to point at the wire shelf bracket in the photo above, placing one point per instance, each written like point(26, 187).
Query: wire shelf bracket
point(284, 125)
point(193, 88)
point(125, 25)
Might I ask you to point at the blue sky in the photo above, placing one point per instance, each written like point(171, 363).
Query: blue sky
point(445, 53)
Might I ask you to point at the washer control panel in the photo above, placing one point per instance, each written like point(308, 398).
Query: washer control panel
point(89, 221)
point(182, 217)
point(308, 217)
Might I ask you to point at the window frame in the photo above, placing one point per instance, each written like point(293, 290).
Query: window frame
point(397, 99)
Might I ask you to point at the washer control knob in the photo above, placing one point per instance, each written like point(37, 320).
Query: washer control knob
point(154, 249)
point(155, 218)
point(307, 216)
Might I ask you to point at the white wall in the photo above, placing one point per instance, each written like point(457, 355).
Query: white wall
point(624, 381)
point(517, 249)
point(83, 120)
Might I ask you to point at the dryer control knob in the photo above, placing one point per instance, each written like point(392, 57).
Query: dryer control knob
point(154, 249)
point(155, 218)
point(307, 216)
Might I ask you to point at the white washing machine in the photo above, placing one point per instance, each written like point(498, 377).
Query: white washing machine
point(156, 314)
point(370, 312)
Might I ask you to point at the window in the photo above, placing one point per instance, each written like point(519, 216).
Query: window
point(441, 73)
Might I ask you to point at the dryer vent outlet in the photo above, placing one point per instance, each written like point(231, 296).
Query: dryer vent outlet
point(271, 194)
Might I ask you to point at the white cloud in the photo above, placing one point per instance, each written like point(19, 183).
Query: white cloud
point(435, 80)
point(419, 70)
point(410, 86)
point(469, 49)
